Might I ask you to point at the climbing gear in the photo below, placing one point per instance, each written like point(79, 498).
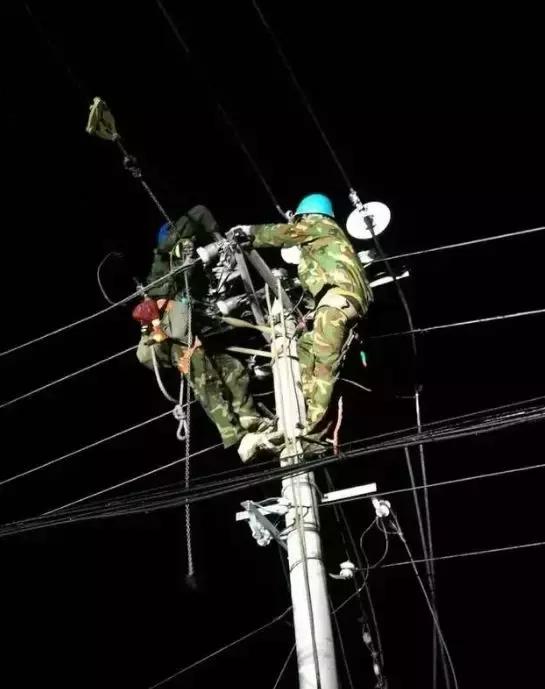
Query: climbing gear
point(315, 203)
point(184, 362)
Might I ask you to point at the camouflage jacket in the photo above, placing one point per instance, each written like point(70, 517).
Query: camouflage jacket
point(197, 228)
point(328, 260)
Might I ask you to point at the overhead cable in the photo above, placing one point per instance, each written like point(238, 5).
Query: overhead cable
point(221, 488)
point(96, 314)
point(459, 324)
point(90, 446)
point(68, 376)
point(185, 669)
point(302, 94)
point(471, 553)
point(459, 245)
point(151, 472)
point(284, 667)
point(228, 120)
point(207, 491)
point(429, 602)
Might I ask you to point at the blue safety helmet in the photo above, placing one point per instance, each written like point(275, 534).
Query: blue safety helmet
point(315, 203)
point(163, 233)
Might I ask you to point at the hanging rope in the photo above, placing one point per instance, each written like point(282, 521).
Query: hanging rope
point(179, 413)
point(159, 380)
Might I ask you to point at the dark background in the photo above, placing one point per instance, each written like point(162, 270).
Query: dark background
point(439, 115)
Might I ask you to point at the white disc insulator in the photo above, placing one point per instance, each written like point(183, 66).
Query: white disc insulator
point(377, 212)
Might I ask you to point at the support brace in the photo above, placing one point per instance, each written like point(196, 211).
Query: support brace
point(263, 530)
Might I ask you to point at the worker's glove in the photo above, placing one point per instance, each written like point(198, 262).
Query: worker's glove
point(242, 234)
point(184, 250)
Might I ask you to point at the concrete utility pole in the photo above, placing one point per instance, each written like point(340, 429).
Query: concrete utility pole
point(311, 613)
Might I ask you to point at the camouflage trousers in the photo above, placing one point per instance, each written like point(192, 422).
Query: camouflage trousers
point(220, 381)
point(321, 352)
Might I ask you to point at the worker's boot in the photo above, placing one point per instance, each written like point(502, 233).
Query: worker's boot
point(260, 444)
point(255, 424)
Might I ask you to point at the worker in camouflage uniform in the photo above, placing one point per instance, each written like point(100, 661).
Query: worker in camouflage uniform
point(220, 381)
point(331, 271)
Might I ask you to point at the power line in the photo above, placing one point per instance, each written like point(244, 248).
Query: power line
point(450, 482)
point(26, 395)
point(54, 50)
point(222, 488)
point(96, 314)
point(521, 546)
point(343, 651)
point(163, 467)
point(302, 94)
point(223, 112)
point(73, 453)
point(458, 245)
point(211, 490)
point(268, 624)
point(215, 489)
point(342, 521)
point(284, 667)
point(57, 331)
point(459, 324)
point(429, 601)
point(471, 553)
point(230, 472)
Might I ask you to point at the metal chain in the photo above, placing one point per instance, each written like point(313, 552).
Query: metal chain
point(131, 165)
point(156, 202)
point(190, 564)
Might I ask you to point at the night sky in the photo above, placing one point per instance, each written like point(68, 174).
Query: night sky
point(436, 114)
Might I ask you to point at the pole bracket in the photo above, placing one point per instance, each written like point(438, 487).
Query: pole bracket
point(263, 530)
